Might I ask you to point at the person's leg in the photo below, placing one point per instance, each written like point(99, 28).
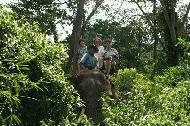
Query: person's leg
point(78, 67)
point(109, 63)
point(101, 61)
point(105, 65)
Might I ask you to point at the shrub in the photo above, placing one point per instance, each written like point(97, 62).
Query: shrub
point(33, 87)
point(148, 102)
point(172, 76)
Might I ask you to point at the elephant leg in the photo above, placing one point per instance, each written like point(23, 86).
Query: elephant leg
point(91, 108)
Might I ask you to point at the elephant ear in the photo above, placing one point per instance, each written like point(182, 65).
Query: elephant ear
point(107, 87)
point(105, 83)
point(114, 92)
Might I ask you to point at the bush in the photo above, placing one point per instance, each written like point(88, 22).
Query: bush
point(172, 76)
point(33, 87)
point(148, 102)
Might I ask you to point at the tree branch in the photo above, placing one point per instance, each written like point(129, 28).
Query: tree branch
point(98, 3)
point(149, 21)
point(59, 3)
point(186, 14)
point(169, 15)
point(166, 16)
point(147, 18)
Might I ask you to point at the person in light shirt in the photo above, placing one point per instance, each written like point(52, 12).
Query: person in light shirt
point(100, 53)
point(110, 56)
point(80, 52)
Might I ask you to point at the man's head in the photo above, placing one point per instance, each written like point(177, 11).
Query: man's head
point(93, 49)
point(82, 42)
point(109, 43)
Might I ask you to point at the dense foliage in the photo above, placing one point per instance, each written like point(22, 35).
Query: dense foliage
point(47, 13)
point(33, 87)
point(165, 100)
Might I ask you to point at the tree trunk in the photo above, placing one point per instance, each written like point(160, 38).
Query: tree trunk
point(170, 18)
point(155, 57)
point(76, 33)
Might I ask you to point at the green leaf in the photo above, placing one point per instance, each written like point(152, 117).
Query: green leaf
point(34, 85)
point(14, 118)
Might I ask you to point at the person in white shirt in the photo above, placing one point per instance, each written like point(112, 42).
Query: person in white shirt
point(110, 55)
point(100, 53)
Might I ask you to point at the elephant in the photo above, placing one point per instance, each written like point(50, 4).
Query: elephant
point(90, 84)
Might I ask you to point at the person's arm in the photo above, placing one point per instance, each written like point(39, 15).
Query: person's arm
point(116, 54)
point(102, 51)
point(86, 49)
point(83, 59)
point(82, 66)
point(106, 55)
point(97, 63)
point(83, 62)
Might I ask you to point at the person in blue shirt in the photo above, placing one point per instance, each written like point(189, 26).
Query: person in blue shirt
point(89, 60)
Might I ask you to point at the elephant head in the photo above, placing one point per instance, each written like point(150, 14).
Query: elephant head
point(90, 85)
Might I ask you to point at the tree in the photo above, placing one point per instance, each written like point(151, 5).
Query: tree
point(33, 87)
point(45, 12)
point(79, 23)
point(170, 28)
point(175, 29)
